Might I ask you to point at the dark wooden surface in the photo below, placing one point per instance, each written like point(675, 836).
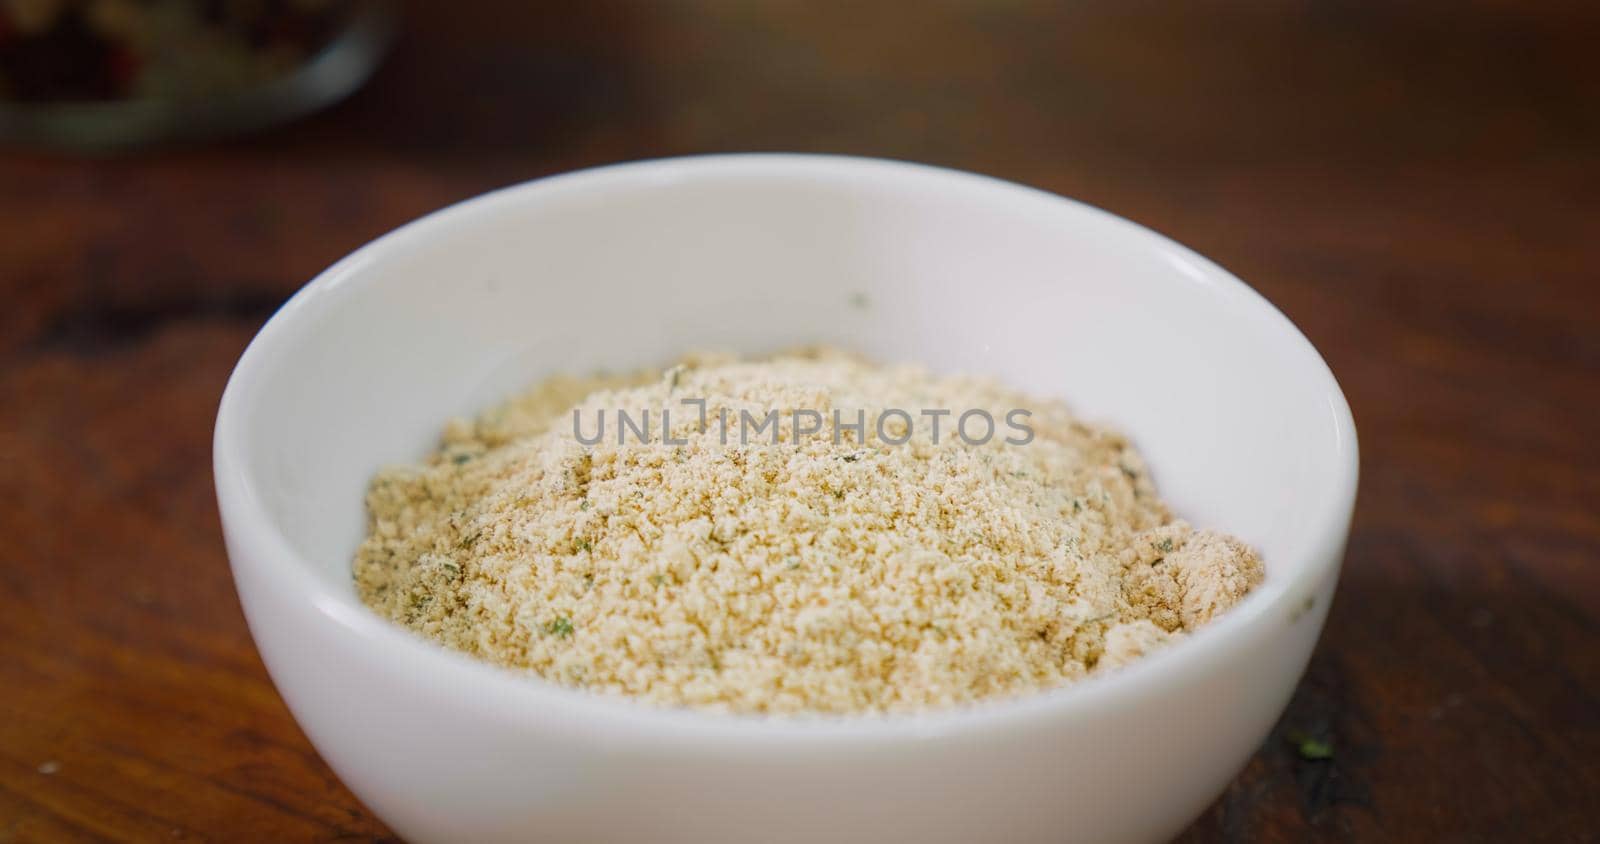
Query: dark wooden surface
point(1418, 187)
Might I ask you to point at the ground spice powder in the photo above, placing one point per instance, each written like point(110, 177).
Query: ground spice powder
point(807, 576)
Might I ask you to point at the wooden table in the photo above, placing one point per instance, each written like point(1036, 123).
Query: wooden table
point(1417, 187)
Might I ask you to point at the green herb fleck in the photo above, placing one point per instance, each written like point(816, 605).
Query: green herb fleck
point(460, 459)
point(1312, 749)
point(1165, 545)
point(584, 504)
point(581, 544)
point(561, 628)
point(658, 579)
point(416, 604)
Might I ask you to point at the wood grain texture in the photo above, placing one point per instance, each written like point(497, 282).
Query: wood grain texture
point(1416, 186)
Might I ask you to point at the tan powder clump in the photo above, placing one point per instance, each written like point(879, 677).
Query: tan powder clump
point(807, 576)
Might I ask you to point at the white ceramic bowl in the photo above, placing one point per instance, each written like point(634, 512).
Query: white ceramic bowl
point(627, 266)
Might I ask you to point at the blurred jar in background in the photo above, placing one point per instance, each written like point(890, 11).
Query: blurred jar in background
point(109, 74)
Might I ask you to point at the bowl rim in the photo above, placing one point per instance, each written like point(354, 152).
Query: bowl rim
point(518, 696)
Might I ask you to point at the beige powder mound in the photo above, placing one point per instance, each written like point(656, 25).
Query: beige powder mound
point(810, 576)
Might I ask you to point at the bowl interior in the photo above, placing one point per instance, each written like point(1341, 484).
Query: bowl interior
point(628, 266)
